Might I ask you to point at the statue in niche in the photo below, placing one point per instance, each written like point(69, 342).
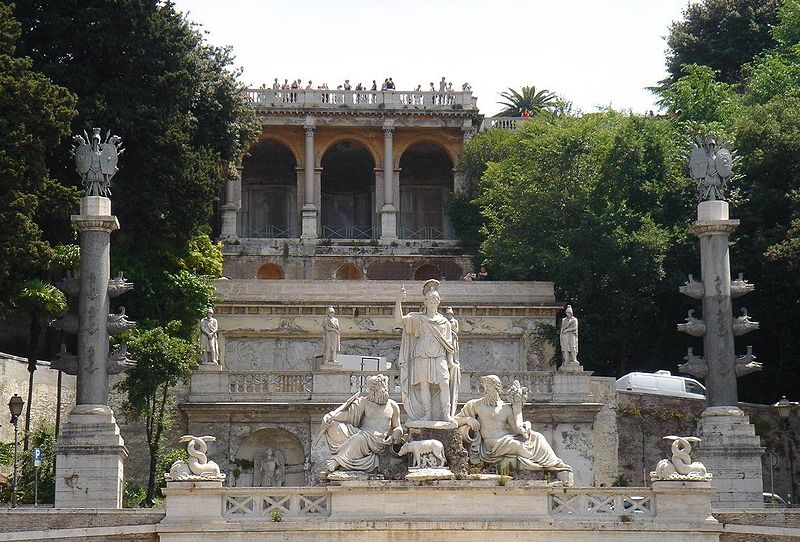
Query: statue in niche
point(428, 359)
point(209, 344)
point(331, 338)
point(495, 431)
point(568, 337)
point(269, 469)
point(711, 167)
point(361, 428)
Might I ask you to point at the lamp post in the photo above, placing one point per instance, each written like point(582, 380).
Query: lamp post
point(784, 408)
point(15, 406)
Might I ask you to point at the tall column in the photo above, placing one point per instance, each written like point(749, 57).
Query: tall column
point(233, 203)
point(389, 210)
point(90, 451)
point(309, 207)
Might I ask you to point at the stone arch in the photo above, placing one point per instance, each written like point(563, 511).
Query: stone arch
point(347, 188)
point(426, 184)
point(361, 140)
point(428, 271)
point(269, 190)
point(277, 439)
point(281, 140)
point(349, 271)
point(270, 271)
point(447, 149)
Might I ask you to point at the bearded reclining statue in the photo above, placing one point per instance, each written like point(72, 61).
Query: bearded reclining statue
point(495, 431)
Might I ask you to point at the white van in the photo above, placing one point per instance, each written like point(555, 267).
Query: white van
point(662, 383)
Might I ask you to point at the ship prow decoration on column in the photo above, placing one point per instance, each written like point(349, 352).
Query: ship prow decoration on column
point(730, 446)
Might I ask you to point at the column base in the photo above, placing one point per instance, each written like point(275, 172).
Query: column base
point(309, 222)
point(229, 215)
point(388, 224)
point(89, 460)
point(731, 451)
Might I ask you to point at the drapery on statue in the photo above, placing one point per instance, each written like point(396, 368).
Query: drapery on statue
point(428, 356)
point(96, 161)
point(362, 427)
point(331, 338)
point(209, 343)
point(569, 337)
point(494, 431)
point(711, 167)
point(269, 469)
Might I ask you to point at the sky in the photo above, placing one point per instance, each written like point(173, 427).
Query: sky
point(594, 53)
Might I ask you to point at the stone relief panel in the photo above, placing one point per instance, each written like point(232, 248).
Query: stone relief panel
point(271, 354)
point(489, 354)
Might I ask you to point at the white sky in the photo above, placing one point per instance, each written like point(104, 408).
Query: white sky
point(592, 52)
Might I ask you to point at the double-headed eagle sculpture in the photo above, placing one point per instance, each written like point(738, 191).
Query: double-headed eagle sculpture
point(96, 161)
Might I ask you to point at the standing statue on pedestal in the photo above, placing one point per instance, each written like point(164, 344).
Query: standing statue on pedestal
point(96, 161)
point(331, 338)
point(362, 427)
point(568, 337)
point(428, 359)
point(711, 167)
point(209, 343)
point(495, 431)
point(269, 469)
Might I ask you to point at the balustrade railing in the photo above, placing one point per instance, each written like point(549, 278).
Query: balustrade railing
point(539, 383)
point(261, 503)
point(502, 123)
point(272, 383)
point(269, 232)
point(425, 233)
point(347, 232)
point(391, 99)
point(581, 503)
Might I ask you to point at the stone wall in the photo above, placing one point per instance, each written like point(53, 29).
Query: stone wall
point(14, 379)
point(656, 416)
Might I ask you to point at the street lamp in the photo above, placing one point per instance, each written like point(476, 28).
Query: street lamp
point(15, 406)
point(784, 408)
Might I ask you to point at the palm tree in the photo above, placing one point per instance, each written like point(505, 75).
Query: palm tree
point(40, 299)
point(516, 102)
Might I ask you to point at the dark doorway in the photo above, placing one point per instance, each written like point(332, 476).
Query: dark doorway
point(426, 182)
point(269, 192)
point(348, 192)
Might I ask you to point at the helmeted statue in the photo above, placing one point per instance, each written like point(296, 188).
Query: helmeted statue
point(96, 161)
point(494, 431)
point(361, 428)
point(568, 337)
point(428, 359)
point(711, 167)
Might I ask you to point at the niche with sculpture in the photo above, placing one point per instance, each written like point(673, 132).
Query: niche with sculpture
point(270, 457)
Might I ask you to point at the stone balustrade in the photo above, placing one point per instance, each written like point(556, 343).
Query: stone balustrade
point(503, 123)
point(360, 99)
point(289, 502)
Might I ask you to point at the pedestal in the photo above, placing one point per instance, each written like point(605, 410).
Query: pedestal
point(229, 214)
point(731, 451)
point(572, 386)
point(388, 224)
point(446, 433)
point(309, 222)
point(89, 460)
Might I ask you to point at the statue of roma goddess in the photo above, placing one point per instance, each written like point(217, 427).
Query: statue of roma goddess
point(429, 367)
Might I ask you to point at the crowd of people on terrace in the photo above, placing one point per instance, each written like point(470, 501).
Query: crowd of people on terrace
point(287, 91)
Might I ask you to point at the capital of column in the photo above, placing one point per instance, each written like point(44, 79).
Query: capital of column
point(388, 130)
point(715, 227)
point(309, 129)
point(95, 223)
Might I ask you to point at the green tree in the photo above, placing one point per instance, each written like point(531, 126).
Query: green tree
point(721, 34)
point(141, 68)
point(599, 204)
point(34, 117)
point(39, 299)
point(527, 98)
point(163, 362)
